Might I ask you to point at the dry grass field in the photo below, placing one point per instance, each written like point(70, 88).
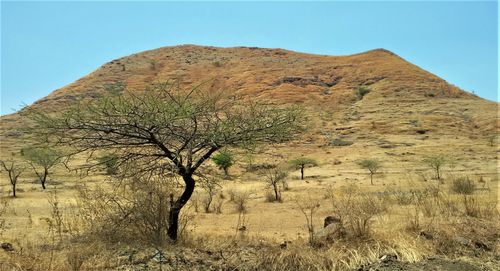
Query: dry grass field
point(406, 220)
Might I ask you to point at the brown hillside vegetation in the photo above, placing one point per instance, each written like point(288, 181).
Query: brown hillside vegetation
point(373, 106)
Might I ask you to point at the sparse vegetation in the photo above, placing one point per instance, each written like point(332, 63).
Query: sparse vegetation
point(154, 146)
point(115, 88)
point(357, 210)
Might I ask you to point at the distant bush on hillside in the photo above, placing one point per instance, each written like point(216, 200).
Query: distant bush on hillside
point(361, 91)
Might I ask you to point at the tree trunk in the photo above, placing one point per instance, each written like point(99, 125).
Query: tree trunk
point(302, 172)
point(175, 209)
point(276, 194)
point(14, 190)
point(371, 178)
point(44, 178)
point(226, 172)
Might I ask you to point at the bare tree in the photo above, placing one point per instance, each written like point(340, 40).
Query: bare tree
point(308, 206)
point(14, 171)
point(273, 177)
point(212, 187)
point(165, 128)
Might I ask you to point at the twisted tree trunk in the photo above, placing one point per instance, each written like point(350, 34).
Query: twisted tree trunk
point(175, 209)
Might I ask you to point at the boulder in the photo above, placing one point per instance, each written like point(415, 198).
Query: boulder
point(7, 246)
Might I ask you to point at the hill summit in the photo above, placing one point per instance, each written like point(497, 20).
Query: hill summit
point(400, 97)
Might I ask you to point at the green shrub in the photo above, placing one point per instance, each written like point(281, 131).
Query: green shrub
point(224, 160)
point(361, 91)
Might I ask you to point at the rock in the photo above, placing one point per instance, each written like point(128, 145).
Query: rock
point(388, 258)
point(334, 230)
point(7, 246)
point(426, 235)
point(160, 257)
point(284, 245)
point(481, 245)
point(330, 220)
point(462, 241)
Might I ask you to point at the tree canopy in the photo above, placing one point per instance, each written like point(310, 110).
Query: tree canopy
point(166, 128)
point(41, 157)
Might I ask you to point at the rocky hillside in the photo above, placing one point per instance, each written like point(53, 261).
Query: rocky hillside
point(403, 98)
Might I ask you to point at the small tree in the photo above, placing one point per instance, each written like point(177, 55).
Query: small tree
point(14, 171)
point(436, 163)
point(308, 206)
point(212, 187)
point(301, 163)
point(273, 178)
point(224, 160)
point(371, 165)
point(41, 159)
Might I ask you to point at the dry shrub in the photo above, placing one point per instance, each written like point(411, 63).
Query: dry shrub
point(463, 186)
point(294, 259)
point(218, 202)
point(308, 206)
point(356, 211)
point(339, 256)
point(269, 195)
point(4, 204)
point(232, 194)
point(211, 187)
point(131, 210)
point(241, 200)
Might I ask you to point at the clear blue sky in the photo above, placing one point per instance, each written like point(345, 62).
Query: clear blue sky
point(46, 45)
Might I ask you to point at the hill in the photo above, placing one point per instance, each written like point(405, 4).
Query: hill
point(404, 114)
point(402, 95)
